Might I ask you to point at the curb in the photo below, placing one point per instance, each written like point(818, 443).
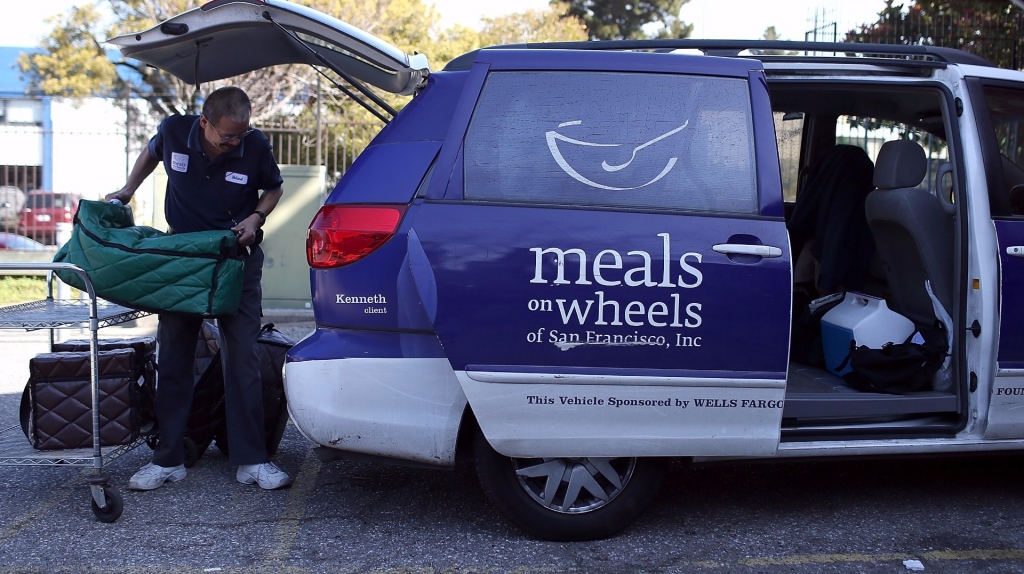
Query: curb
point(283, 316)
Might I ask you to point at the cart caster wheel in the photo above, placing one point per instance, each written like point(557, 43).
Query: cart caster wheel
point(192, 453)
point(112, 511)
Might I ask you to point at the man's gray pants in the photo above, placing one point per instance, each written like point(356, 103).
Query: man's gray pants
point(178, 336)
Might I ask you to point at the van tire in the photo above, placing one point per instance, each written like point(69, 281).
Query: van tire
point(507, 492)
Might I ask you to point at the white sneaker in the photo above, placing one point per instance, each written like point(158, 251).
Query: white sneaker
point(267, 475)
point(152, 476)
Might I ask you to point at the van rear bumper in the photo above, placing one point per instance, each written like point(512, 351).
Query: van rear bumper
point(401, 408)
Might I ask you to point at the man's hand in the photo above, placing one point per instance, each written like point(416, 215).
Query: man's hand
point(246, 230)
point(122, 195)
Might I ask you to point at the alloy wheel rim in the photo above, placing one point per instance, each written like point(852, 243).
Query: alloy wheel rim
point(574, 485)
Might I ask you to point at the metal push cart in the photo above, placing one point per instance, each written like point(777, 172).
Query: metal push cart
point(51, 314)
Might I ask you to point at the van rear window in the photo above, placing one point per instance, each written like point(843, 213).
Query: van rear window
point(613, 139)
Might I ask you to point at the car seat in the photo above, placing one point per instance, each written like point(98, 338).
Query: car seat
point(828, 220)
point(913, 233)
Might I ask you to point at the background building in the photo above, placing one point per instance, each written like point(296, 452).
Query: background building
point(25, 131)
point(58, 145)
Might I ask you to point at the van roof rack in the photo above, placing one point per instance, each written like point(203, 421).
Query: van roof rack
point(732, 48)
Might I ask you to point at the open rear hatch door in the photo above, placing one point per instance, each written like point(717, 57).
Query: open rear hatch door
point(227, 38)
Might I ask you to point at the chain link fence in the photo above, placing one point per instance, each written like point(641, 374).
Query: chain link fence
point(334, 144)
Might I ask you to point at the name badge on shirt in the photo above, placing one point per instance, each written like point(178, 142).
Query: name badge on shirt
point(179, 162)
point(236, 178)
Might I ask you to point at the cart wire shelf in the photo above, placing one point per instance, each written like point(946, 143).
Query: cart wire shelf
point(16, 450)
point(63, 313)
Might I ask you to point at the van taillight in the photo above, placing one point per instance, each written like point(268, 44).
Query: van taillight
point(342, 234)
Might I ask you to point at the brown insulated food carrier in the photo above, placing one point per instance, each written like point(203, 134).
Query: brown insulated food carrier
point(61, 399)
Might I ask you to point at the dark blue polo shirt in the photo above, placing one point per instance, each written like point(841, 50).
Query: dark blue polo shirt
point(204, 195)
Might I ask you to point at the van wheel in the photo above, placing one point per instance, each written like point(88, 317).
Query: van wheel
point(568, 498)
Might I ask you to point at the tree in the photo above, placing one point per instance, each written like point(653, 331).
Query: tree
point(445, 45)
point(72, 62)
point(771, 35)
point(59, 69)
point(991, 29)
point(531, 26)
point(78, 36)
point(626, 19)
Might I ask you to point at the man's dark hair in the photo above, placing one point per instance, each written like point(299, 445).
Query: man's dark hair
point(229, 102)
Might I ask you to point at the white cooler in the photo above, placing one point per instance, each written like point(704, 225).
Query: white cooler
point(864, 319)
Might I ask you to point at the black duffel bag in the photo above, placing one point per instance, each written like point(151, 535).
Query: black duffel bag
point(897, 368)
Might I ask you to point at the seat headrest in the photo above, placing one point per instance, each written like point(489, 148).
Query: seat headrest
point(900, 163)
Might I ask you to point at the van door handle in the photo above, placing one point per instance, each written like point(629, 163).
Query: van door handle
point(1015, 250)
point(766, 251)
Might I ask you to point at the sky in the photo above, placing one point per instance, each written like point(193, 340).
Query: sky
point(24, 23)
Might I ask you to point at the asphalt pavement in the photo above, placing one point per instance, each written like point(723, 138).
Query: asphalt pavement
point(955, 514)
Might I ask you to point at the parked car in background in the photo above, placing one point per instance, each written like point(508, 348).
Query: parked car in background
point(12, 201)
point(43, 211)
point(15, 242)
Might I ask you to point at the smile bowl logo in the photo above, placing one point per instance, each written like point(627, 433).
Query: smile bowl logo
point(553, 137)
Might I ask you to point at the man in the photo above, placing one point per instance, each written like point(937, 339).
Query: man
point(216, 164)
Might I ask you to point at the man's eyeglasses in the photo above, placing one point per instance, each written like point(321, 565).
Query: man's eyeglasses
point(226, 139)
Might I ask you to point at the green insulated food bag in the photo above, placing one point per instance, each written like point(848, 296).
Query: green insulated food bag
point(140, 267)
